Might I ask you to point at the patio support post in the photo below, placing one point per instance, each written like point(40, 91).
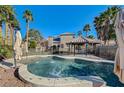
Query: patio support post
point(74, 49)
point(78, 48)
point(69, 48)
point(92, 47)
point(58, 49)
point(86, 48)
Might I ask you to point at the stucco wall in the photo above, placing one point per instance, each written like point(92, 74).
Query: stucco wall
point(50, 41)
point(65, 39)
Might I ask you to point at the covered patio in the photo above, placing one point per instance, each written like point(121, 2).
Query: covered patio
point(80, 41)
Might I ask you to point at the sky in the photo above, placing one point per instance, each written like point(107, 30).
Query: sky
point(54, 20)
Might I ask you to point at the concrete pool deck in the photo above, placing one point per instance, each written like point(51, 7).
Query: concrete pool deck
point(8, 79)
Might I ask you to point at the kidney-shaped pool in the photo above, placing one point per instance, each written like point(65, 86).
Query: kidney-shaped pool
point(56, 67)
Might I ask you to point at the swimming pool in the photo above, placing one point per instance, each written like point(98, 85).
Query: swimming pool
point(55, 67)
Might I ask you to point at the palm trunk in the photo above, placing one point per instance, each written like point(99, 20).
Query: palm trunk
point(6, 33)
point(27, 34)
point(101, 41)
point(86, 34)
point(107, 31)
point(1, 40)
point(11, 35)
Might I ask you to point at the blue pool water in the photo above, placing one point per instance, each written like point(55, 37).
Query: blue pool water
point(55, 67)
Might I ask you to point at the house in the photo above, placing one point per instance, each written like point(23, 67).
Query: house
point(67, 41)
point(61, 41)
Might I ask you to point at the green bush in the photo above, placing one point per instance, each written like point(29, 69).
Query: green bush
point(6, 51)
point(33, 44)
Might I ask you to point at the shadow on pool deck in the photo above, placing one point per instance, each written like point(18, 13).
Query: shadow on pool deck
point(6, 63)
point(16, 74)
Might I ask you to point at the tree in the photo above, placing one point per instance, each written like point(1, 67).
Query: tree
point(86, 29)
point(9, 11)
point(104, 24)
point(35, 35)
point(6, 12)
point(80, 33)
point(28, 17)
point(91, 37)
point(33, 44)
point(2, 18)
point(8, 19)
point(98, 23)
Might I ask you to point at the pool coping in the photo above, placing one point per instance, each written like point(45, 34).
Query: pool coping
point(66, 57)
point(11, 60)
point(84, 58)
point(25, 75)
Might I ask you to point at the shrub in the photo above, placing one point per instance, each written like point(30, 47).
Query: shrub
point(6, 51)
point(33, 44)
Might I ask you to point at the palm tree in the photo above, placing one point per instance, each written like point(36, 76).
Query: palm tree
point(8, 11)
point(107, 20)
point(5, 12)
point(2, 20)
point(79, 33)
point(104, 24)
point(86, 29)
point(28, 17)
point(99, 27)
point(114, 11)
point(91, 37)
